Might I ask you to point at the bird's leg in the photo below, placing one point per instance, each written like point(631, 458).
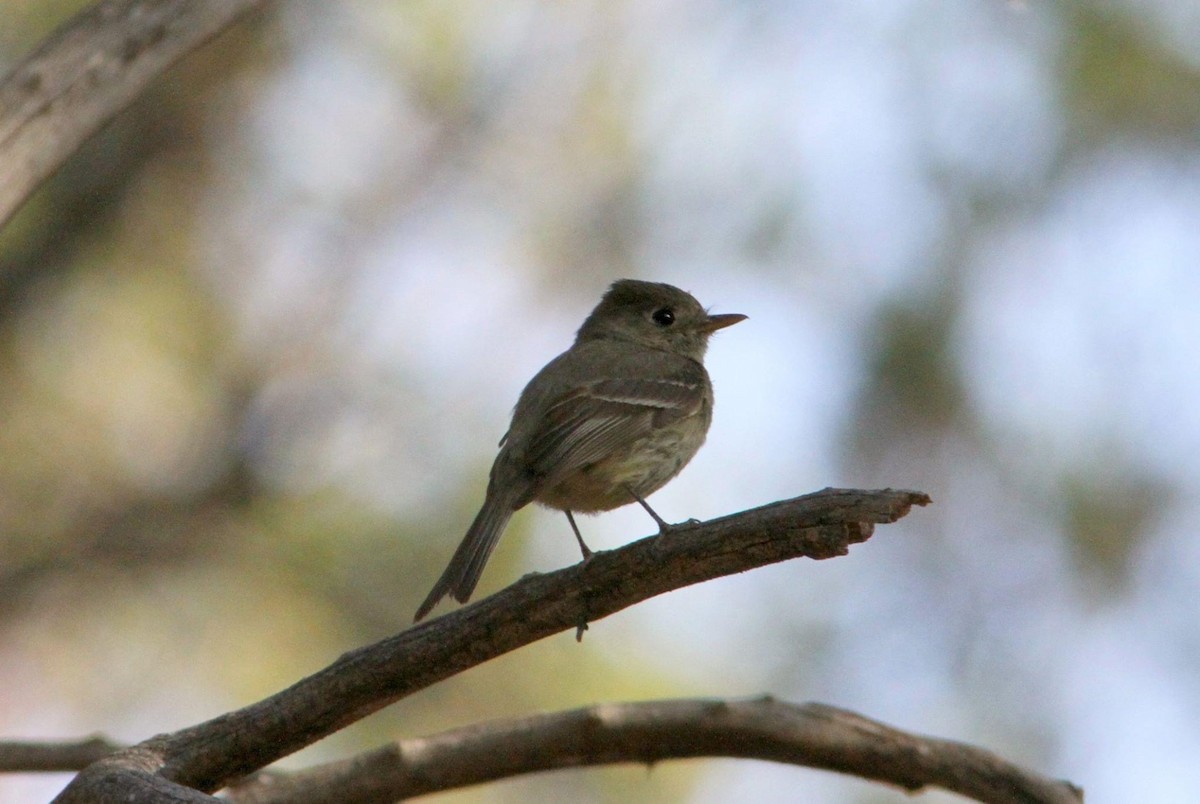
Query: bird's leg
point(583, 548)
point(663, 527)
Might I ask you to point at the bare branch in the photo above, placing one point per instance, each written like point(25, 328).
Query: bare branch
point(87, 72)
point(211, 755)
point(54, 756)
point(810, 735)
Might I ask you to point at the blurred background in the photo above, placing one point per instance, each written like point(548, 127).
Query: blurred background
point(259, 339)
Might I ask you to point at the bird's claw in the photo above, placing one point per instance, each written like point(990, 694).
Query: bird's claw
point(665, 527)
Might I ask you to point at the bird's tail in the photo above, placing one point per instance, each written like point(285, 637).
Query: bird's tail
point(472, 554)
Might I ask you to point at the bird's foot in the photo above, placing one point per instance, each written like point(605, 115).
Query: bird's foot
point(666, 527)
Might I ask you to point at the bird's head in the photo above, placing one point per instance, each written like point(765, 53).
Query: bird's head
point(656, 315)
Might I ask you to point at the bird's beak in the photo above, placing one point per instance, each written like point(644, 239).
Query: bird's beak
point(716, 322)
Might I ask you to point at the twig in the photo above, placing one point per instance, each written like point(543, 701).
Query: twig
point(54, 756)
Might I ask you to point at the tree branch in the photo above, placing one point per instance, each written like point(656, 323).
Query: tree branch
point(85, 73)
point(211, 755)
point(811, 735)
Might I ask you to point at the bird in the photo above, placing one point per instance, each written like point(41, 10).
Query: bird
point(605, 424)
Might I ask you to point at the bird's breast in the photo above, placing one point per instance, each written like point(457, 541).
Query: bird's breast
point(644, 466)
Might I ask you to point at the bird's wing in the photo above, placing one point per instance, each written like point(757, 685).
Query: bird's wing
point(592, 421)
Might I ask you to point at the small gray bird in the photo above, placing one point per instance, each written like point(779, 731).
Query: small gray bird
point(605, 424)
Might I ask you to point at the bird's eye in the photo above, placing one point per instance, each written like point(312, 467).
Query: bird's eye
point(664, 317)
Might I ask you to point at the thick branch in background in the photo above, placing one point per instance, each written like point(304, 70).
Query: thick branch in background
point(811, 735)
point(211, 755)
point(88, 71)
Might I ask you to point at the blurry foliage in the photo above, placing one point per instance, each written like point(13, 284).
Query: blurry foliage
point(30, 21)
point(1120, 81)
point(915, 382)
point(1108, 516)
